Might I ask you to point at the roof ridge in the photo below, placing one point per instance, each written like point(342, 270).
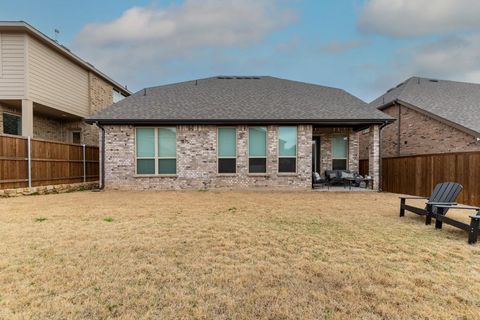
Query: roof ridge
point(219, 77)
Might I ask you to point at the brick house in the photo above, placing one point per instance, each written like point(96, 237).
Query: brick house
point(234, 132)
point(46, 91)
point(433, 116)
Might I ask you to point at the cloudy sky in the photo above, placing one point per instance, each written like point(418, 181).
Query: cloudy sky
point(363, 46)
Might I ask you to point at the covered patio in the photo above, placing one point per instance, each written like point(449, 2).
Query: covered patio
point(337, 149)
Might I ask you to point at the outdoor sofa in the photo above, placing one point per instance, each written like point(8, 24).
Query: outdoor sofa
point(345, 178)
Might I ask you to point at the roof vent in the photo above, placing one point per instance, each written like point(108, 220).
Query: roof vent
point(433, 80)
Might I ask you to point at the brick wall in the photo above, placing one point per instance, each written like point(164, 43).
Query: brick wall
point(197, 161)
point(326, 147)
point(374, 155)
point(419, 134)
point(100, 93)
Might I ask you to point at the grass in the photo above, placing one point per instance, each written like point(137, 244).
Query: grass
point(108, 219)
point(203, 255)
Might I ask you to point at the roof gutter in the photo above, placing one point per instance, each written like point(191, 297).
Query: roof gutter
point(102, 160)
point(330, 122)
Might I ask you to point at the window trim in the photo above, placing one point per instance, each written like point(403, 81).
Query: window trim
point(236, 151)
point(15, 115)
point(257, 157)
point(155, 157)
point(289, 157)
point(348, 149)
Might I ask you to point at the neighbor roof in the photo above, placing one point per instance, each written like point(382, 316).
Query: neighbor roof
point(23, 26)
point(226, 99)
point(457, 103)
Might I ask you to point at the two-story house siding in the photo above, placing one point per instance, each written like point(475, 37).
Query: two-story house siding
point(46, 91)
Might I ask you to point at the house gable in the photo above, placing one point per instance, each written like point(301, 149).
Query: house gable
point(416, 132)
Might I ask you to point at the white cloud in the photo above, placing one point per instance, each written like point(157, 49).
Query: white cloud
point(147, 39)
point(342, 46)
point(456, 57)
point(449, 58)
point(404, 18)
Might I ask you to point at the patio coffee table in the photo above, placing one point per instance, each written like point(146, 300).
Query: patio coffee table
point(350, 181)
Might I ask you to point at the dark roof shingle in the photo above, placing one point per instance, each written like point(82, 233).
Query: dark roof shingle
point(240, 99)
point(457, 102)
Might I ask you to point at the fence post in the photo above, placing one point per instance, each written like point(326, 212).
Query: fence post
point(84, 164)
point(29, 161)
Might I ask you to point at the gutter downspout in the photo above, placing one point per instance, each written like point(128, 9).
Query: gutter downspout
point(380, 156)
point(102, 160)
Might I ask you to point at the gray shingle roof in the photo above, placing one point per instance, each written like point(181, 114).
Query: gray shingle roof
point(240, 99)
point(457, 102)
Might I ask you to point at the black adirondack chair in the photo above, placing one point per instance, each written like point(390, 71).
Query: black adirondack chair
point(473, 228)
point(444, 193)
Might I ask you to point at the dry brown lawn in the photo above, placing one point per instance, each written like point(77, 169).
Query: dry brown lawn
point(250, 255)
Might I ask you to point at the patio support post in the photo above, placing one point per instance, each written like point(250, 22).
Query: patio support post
point(27, 118)
point(374, 156)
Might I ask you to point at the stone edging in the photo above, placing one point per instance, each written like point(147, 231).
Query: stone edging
point(51, 189)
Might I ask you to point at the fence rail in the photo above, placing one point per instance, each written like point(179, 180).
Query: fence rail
point(417, 175)
point(28, 162)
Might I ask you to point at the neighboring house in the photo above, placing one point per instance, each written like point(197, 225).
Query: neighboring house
point(46, 91)
point(433, 116)
point(234, 132)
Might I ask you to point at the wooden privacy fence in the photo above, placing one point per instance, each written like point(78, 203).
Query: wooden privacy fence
point(417, 175)
point(28, 162)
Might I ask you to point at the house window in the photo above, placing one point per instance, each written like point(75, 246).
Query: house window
point(227, 150)
point(12, 124)
point(257, 150)
point(117, 96)
point(76, 137)
point(167, 151)
point(287, 149)
point(339, 152)
point(156, 150)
